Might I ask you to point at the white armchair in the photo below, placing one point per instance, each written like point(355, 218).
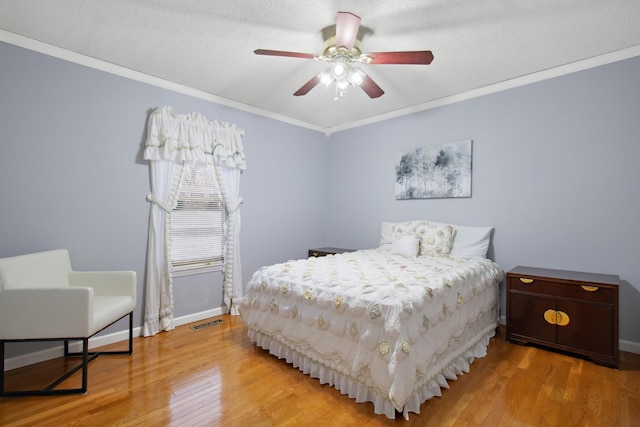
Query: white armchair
point(42, 299)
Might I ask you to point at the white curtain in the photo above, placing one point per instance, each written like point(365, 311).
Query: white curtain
point(172, 140)
point(158, 307)
point(229, 184)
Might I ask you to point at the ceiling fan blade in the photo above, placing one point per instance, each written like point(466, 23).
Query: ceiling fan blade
point(347, 25)
point(370, 87)
point(284, 53)
point(308, 86)
point(412, 57)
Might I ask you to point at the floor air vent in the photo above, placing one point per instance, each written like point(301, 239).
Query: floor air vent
point(206, 325)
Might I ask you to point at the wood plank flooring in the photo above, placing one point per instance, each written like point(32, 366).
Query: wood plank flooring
point(216, 376)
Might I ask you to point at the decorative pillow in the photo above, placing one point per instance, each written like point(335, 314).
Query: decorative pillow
point(402, 229)
point(407, 246)
point(435, 240)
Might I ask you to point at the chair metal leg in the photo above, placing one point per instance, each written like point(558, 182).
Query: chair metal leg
point(85, 363)
point(112, 352)
point(1, 368)
point(131, 333)
point(86, 355)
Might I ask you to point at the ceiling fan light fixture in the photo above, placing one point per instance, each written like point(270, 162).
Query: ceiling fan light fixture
point(339, 69)
point(326, 78)
point(342, 84)
point(346, 77)
point(356, 76)
point(339, 92)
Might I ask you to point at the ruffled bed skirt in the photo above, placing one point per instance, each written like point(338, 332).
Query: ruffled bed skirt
point(455, 361)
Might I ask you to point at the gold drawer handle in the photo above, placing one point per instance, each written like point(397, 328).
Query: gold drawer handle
point(525, 280)
point(556, 317)
point(550, 316)
point(563, 319)
point(590, 288)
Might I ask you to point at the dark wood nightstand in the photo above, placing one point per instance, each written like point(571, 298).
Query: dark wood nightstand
point(567, 310)
point(328, 251)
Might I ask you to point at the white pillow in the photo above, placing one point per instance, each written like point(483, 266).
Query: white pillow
point(471, 242)
point(468, 242)
point(407, 246)
point(386, 233)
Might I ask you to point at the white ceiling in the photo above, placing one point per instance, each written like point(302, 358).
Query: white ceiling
point(208, 46)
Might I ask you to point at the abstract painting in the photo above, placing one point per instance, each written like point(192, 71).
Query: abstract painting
point(435, 172)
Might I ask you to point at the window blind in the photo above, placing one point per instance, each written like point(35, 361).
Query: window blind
point(198, 223)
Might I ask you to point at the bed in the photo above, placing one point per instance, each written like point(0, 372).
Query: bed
point(389, 325)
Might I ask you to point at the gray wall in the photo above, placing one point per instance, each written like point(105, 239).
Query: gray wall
point(555, 171)
point(71, 175)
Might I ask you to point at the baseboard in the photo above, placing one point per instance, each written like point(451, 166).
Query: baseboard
point(623, 345)
point(99, 341)
point(629, 346)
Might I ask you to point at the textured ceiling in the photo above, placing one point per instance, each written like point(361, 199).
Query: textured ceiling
point(208, 45)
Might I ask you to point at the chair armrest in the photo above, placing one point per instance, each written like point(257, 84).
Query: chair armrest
point(106, 283)
point(27, 313)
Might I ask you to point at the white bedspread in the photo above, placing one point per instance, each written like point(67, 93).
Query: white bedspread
point(374, 319)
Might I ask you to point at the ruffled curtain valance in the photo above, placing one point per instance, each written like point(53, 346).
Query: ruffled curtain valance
point(193, 138)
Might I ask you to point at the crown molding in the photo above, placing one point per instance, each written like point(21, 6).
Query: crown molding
point(67, 55)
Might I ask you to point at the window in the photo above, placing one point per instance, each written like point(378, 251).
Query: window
point(198, 223)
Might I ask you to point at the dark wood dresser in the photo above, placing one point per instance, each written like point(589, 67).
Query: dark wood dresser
point(566, 310)
point(327, 251)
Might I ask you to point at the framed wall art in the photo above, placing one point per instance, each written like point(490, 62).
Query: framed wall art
point(435, 171)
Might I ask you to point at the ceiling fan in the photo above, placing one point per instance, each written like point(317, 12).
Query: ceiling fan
point(343, 52)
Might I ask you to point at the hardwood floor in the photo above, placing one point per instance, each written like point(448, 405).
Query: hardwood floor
point(215, 376)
